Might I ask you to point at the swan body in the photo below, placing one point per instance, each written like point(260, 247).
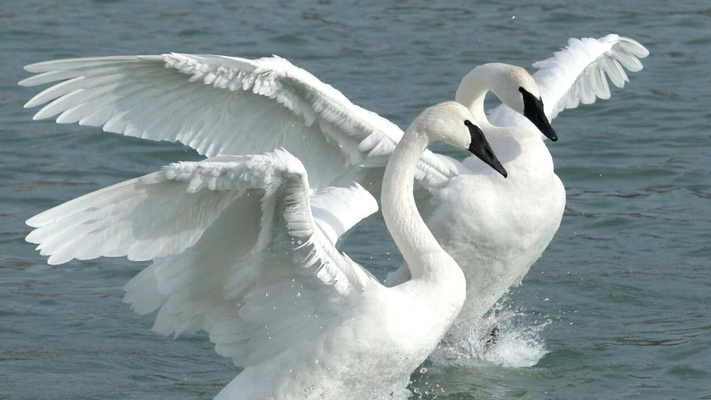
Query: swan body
point(509, 239)
point(236, 251)
point(514, 223)
point(222, 105)
point(531, 204)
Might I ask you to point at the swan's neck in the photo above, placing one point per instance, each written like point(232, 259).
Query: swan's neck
point(411, 235)
point(524, 155)
point(474, 86)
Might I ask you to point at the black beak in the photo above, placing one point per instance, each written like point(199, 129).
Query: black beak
point(480, 147)
point(533, 110)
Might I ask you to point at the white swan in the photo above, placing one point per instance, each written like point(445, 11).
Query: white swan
point(506, 225)
point(574, 75)
point(225, 105)
point(509, 242)
point(236, 252)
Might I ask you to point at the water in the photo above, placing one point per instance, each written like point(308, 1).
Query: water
point(617, 307)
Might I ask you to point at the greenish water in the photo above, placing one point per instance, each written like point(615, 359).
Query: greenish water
point(620, 300)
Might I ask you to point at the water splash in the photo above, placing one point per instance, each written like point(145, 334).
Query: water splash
point(398, 392)
point(516, 344)
point(418, 387)
point(506, 335)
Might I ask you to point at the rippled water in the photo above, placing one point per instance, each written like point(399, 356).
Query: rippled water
point(618, 306)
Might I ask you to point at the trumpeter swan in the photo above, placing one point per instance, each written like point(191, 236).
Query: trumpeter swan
point(236, 252)
point(226, 105)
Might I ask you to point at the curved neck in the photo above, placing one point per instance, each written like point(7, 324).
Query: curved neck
point(474, 86)
point(403, 220)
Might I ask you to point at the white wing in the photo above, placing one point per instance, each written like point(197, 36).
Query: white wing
point(222, 105)
point(236, 250)
point(578, 74)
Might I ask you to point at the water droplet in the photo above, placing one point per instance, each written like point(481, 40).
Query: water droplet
point(298, 294)
point(423, 370)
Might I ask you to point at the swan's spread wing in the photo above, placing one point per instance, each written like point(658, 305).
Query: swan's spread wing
point(579, 74)
point(336, 210)
point(222, 105)
point(236, 250)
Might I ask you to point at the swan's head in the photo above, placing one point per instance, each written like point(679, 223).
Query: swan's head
point(512, 85)
point(452, 123)
point(516, 88)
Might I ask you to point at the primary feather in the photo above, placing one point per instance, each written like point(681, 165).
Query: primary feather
point(222, 105)
point(224, 235)
point(577, 74)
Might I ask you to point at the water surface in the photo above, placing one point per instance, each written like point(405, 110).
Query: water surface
point(619, 301)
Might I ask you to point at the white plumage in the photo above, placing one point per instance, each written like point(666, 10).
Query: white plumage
point(223, 106)
point(497, 229)
point(237, 252)
point(579, 74)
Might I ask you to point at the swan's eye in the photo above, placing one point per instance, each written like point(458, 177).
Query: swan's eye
point(468, 123)
point(520, 89)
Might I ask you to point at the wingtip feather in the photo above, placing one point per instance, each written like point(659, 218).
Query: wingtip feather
point(35, 221)
point(634, 47)
point(27, 82)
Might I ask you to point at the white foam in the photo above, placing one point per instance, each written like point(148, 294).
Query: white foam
point(398, 392)
point(517, 343)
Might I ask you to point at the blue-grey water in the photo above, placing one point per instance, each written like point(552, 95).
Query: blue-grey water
point(620, 301)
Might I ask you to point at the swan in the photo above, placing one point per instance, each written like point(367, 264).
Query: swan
point(513, 221)
point(221, 105)
point(509, 242)
point(236, 252)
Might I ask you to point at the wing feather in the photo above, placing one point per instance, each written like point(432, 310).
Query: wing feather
point(579, 74)
point(236, 248)
point(222, 105)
